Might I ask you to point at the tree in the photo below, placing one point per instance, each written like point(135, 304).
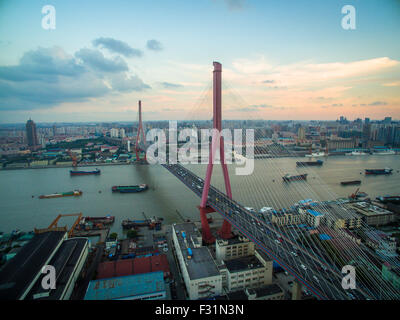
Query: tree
point(132, 234)
point(114, 235)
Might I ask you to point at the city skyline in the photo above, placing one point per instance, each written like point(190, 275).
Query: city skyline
point(280, 61)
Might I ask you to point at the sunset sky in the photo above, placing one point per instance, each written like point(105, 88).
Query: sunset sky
point(281, 60)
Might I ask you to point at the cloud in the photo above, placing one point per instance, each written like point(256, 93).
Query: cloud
point(392, 84)
point(301, 73)
point(44, 64)
point(124, 83)
point(235, 4)
point(96, 60)
point(258, 106)
point(169, 85)
point(117, 46)
point(154, 45)
point(378, 103)
point(47, 77)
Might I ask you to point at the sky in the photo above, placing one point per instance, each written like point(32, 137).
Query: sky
point(281, 60)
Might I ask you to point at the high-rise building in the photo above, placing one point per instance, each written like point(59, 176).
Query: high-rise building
point(387, 120)
point(31, 134)
point(301, 133)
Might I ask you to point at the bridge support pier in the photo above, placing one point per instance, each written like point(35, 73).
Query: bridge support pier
point(205, 227)
point(296, 290)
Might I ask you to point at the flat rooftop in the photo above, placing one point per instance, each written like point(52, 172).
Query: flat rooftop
point(126, 287)
point(314, 213)
point(243, 264)
point(126, 267)
point(267, 290)
point(18, 274)
point(65, 262)
point(201, 264)
point(232, 241)
point(369, 210)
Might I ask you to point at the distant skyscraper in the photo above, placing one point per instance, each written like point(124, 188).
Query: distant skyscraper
point(31, 133)
point(301, 133)
point(387, 120)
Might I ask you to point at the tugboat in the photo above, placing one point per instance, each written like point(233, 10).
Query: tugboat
point(289, 177)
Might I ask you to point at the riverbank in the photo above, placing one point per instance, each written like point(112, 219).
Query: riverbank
point(69, 166)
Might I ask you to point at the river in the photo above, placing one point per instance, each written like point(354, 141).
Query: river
point(167, 195)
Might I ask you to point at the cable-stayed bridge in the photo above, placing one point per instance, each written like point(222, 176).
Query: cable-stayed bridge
point(314, 264)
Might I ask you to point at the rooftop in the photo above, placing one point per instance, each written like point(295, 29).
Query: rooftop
point(243, 263)
point(314, 213)
point(118, 268)
point(19, 273)
point(125, 287)
point(64, 261)
point(201, 264)
point(267, 290)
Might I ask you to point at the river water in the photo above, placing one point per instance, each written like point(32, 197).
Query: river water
point(167, 195)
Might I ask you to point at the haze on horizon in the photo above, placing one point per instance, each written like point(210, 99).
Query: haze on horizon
point(281, 60)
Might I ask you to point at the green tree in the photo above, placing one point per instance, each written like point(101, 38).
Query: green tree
point(132, 234)
point(114, 235)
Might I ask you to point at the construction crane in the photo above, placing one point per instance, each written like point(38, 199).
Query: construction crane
point(54, 225)
point(354, 195)
point(73, 157)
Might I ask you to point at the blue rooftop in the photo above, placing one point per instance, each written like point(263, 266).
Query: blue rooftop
point(314, 213)
point(324, 236)
point(126, 287)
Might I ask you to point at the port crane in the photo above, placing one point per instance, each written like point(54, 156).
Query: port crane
point(54, 225)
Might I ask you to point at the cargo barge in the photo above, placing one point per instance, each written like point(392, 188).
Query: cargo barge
point(83, 173)
point(289, 177)
point(389, 199)
point(379, 171)
point(309, 163)
point(133, 224)
point(353, 182)
point(130, 189)
point(104, 220)
point(75, 193)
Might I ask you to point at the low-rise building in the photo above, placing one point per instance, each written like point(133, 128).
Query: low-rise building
point(391, 274)
point(267, 292)
point(233, 248)
point(145, 286)
point(199, 270)
point(372, 214)
point(21, 277)
point(287, 218)
point(246, 272)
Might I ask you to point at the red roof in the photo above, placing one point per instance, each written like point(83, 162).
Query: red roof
point(118, 268)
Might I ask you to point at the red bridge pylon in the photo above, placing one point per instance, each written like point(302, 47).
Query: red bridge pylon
point(225, 231)
point(140, 129)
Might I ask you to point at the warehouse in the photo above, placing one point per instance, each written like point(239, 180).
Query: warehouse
point(146, 286)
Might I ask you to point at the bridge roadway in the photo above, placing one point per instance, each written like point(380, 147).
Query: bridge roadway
point(281, 247)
